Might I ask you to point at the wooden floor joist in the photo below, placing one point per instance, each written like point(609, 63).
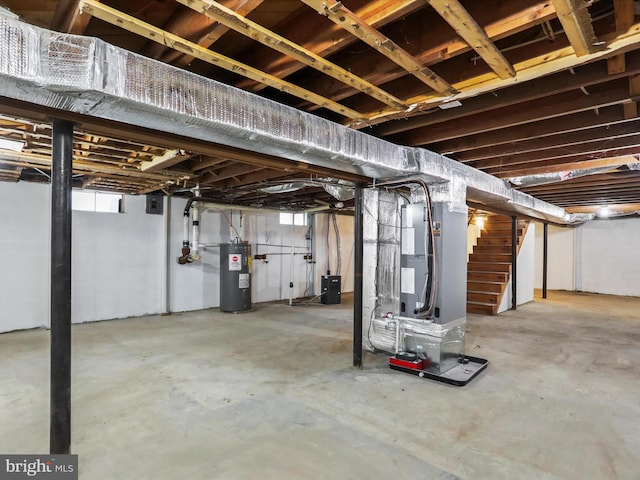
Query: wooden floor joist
point(150, 32)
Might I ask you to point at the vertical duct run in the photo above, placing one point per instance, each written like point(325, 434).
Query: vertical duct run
point(61, 173)
point(358, 220)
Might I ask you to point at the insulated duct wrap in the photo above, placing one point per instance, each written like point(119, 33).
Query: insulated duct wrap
point(90, 77)
point(556, 177)
point(381, 257)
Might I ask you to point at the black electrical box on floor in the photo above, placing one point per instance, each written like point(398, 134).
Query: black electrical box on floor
point(331, 289)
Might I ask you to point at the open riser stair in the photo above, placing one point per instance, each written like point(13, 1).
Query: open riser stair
point(489, 266)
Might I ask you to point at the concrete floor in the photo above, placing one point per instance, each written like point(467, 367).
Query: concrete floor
point(270, 394)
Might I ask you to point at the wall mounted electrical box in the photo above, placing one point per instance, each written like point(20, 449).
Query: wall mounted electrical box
point(154, 204)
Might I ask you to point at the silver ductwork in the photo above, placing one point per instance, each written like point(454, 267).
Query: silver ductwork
point(90, 77)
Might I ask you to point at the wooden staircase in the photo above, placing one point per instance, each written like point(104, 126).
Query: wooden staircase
point(489, 265)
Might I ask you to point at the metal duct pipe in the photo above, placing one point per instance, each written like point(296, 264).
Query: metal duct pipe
point(90, 77)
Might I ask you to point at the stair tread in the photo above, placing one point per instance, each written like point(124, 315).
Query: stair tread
point(469, 302)
point(501, 263)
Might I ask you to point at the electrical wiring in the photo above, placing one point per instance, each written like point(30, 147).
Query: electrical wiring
point(338, 247)
point(430, 286)
point(231, 224)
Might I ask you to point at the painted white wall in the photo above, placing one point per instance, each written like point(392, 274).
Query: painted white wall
point(561, 263)
point(272, 277)
point(120, 261)
point(525, 272)
point(195, 286)
point(25, 221)
point(326, 249)
point(609, 256)
point(116, 263)
point(598, 256)
point(473, 233)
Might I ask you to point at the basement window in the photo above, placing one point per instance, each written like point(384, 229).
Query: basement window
point(288, 218)
point(86, 201)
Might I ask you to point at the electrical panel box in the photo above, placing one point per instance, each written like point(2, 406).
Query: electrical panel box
point(154, 204)
point(331, 286)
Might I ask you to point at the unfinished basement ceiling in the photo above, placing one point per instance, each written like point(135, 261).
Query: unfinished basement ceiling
point(542, 94)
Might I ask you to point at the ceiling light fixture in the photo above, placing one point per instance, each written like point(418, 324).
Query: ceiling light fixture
point(448, 105)
point(604, 212)
point(9, 144)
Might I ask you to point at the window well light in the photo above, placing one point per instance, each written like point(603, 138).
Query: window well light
point(9, 144)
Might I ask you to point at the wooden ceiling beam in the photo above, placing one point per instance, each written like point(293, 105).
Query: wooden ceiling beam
point(599, 198)
point(146, 136)
point(576, 22)
point(169, 159)
point(561, 187)
point(437, 42)
point(625, 15)
point(244, 26)
point(628, 208)
point(242, 7)
point(185, 24)
point(205, 163)
point(253, 177)
point(552, 106)
point(81, 165)
point(572, 197)
point(597, 148)
point(559, 165)
point(611, 177)
point(325, 38)
point(229, 172)
point(358, 27)
point(542, 65)
point(572, 122)
point(465, 25)
point(563, 141)
point(560, 82)
point(150, 32)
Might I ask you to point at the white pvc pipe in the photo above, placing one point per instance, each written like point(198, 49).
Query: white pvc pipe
point(195, 215)
point(185, 230)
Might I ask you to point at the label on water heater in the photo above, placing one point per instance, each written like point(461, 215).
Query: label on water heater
point(235, 261)
point(243, 280)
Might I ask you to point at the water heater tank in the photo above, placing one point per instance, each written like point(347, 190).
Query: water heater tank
point(235, 278)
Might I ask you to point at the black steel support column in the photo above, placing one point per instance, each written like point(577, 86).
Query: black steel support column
point(545, 245)
point(357, 281)
point(61, 169)
point(514, 263)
